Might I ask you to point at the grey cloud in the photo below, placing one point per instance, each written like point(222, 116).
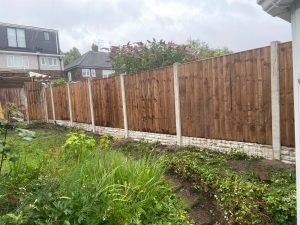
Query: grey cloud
point(238, 24)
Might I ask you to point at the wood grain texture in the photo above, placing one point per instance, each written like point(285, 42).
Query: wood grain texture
point(107, 102)
point(150, 101)
point(14, 95)
point(286, 94)
point(35, 102)
point(220, 97)
point(61, 105)
point(80, 102)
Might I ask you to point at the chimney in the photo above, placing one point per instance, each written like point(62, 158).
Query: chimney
point(95, 47)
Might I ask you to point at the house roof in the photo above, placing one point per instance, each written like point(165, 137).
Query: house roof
point(280, 8)
point(26, 27)
point(91, 59)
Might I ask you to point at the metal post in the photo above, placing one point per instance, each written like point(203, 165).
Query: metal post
point(52, 102)
point(295, 17)
point(91, 105)
point(70, 104)
point(124, 106)
point(177, 103)
point(275, 93)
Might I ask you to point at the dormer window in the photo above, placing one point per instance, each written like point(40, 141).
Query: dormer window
point(16, 37)
point(46, 36)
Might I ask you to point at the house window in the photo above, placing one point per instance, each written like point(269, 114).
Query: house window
point(69, 76)
point(86, 73)
point(52, 61)
point(16, 37)
point(17, 61)
point(43, 60)
point(93, 72)
point(46, 36)
point(107, 73)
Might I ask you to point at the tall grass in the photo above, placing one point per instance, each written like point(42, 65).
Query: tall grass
point(105, 188)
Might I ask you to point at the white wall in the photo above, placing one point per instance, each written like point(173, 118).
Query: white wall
point(32, 63)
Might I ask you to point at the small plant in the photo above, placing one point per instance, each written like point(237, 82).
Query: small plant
point(105, 142)
point(11, 114)
point(79, 145)
point(58, 82)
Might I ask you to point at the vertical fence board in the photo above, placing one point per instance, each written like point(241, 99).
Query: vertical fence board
point(61, 104)
point(145, 107)
point(80, 102)
point(34, 94)
point(286, 94)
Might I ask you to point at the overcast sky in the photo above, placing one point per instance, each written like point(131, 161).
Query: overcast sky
point(237, 24)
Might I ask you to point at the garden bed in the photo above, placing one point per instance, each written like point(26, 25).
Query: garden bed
point(93, 180)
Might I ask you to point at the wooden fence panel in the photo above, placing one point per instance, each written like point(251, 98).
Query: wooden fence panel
point(80, 102)
point(14, 95)
point(35, 100)
point(107, 101)
point(61, 104)
point(227, 98)
point(286, 94)
point(150, 101)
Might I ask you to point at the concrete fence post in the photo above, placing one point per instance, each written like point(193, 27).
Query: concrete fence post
point(52, 102)
point(275, 96)
point(25, 91)
point(70, 104)
point(177, 103)
point(91, 105)
point(45, 104)
point(126, 133)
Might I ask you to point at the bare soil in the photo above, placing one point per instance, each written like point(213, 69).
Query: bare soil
point(202, 208)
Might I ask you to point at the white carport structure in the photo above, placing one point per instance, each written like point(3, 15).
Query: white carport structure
point(289, 10)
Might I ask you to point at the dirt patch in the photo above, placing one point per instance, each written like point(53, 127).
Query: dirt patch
point(260, 167)
point(202, 208)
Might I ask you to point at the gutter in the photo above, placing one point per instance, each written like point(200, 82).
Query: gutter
point(30, 53)
point(26, 27)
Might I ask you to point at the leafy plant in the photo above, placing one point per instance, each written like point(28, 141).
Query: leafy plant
point(58, 82)
point(132, 58)
point(107, 188)
point(79, 145)
point(203, 51)
point(105, 142)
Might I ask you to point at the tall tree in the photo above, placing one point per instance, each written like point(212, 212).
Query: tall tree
point(202, 50)
point(71, 56)
point(135, 57)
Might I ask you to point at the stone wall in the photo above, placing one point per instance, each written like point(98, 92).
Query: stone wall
point(287, 153)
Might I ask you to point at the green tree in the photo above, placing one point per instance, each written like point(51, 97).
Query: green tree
point(71, 56)
point(202, 50)
point(135, 57)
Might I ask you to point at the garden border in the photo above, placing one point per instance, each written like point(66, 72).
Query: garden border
point(265, 151)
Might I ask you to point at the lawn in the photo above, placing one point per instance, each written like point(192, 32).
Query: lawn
point(70, 177)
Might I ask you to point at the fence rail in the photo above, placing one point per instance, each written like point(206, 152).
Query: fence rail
point(227, 98)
